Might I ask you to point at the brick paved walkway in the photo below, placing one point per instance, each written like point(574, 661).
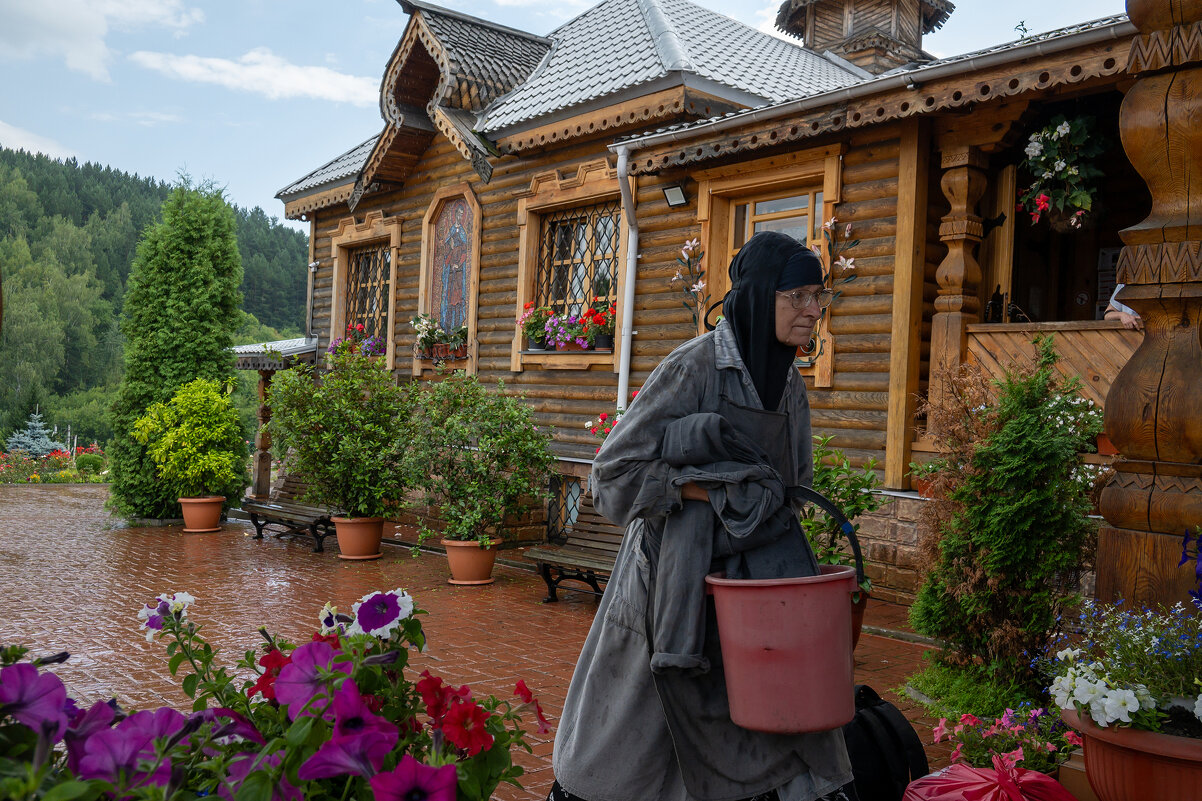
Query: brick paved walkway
point(71, 581)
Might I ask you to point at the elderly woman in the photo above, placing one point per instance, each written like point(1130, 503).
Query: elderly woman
point(699, 472)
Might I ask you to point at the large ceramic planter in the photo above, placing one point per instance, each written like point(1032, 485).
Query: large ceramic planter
point(1133, 765)
point(857, 618)
point(470, 564)
point(359, 537)
point(202, 515)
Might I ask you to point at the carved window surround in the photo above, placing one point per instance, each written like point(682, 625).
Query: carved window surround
point(719, 188)
point(593, 182)
point(375, 229)
point(424, 302)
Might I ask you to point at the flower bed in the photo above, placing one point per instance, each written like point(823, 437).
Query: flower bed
point(336, 717)
point(56, 467)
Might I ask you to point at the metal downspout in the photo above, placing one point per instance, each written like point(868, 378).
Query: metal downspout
point(626, 343)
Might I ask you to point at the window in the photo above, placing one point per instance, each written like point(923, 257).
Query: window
point(797, 213)
point(368, 281)
point(571, 250)
point(364, 280)
point(577, 258)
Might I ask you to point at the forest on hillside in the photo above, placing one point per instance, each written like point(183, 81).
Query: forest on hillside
point(68, 235)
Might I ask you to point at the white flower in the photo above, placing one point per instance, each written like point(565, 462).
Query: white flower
point(1034, 148)
point(327, 618)
point(1198, 707)
point(830, 223)
point(697, 287)
point(846, 264)
point(1047, 174)
point(677, 277)
point(1059, 165)
point(380, 613)
point(1068, 654)
point(1062, 129)
point(1146, 701)
point(1086, 692)
point(1120, 704)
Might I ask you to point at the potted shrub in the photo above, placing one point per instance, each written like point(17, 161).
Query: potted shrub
point(533, 322)
point(456, 343)
point(197, 441)
point(1060, 158)
point(478, 458)
point(922, 477)
point(1127, 678)
point(343, 429)
point(854, 492)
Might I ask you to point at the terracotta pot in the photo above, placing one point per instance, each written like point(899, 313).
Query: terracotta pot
point(857, 618)
point(923, 486)
point(440, 351)
point(570, 346)
point(359, 537)
point(786, 649)
point(459, 352)
point(470, 564)
point(1133, 765)
point(202, 515)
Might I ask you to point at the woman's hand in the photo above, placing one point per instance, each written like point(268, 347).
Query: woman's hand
point(692, 492)
point(1132, 321)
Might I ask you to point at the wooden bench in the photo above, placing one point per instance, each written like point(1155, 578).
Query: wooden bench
point(587, 555)
point(284, 509)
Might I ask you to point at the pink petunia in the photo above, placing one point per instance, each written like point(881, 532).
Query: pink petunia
point(412, 779)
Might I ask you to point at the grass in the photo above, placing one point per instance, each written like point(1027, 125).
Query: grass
point(953, 690)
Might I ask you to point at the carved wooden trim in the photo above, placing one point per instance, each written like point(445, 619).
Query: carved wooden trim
point(1167, 263)
point(429, 220)
point(295, 209)
point(1036, 75)
point(1174, 47)
point(350, 234)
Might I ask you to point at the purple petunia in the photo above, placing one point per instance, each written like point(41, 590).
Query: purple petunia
point(380, 613)
point(36, 700)
point(98, 717)
point(301, 680)
point(241, 767)
point(413, 781)
point(359, 743)
point(125, 754)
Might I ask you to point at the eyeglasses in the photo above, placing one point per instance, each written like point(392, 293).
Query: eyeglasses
point(800, 300)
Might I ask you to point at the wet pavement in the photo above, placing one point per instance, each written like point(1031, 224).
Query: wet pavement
point(71, 580)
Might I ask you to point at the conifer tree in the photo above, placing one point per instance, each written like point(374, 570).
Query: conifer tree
point(35, 439)
point(181, 311)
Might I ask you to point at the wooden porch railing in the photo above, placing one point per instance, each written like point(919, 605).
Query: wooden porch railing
point(1095, 350)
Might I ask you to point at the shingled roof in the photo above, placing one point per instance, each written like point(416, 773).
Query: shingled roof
point(619, 46)
point(485, 60)
point(335, 171)
point(934, 13)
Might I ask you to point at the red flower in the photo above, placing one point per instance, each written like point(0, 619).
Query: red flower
point(438, 696)
point(603, 416)
point(359, 327)
point(529, 305)
point(272, 662)
point(1041, 202)
point(465, 727)
point(523, 692)
point(331, 639)
point(634, 394)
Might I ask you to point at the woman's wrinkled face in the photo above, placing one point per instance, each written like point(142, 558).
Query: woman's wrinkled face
point(794, 326)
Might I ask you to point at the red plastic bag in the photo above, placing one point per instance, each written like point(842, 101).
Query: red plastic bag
point(1003, 783)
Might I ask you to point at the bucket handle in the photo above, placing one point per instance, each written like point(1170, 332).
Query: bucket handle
point(825, 504)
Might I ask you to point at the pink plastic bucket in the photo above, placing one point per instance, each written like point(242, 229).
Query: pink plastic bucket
point(786, 648)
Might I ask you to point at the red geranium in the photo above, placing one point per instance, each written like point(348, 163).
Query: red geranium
point(465, 726)
point(272, 662)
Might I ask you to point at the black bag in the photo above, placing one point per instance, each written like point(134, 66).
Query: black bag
point(886, 753)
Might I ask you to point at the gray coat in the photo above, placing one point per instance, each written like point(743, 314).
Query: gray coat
point(620, 738)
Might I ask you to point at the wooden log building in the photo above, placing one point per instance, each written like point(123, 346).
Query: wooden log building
point(513, 167)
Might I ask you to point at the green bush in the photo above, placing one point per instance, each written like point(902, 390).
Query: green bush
point(197, 442)
point(477, 456)
point(89, 463)
point(852, 490)
point(343, 432)
point(1012, 529)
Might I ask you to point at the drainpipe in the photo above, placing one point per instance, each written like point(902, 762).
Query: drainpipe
point(632, 268)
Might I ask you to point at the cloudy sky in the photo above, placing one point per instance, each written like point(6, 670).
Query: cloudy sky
point(255, 93)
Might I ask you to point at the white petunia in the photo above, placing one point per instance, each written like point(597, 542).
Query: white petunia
point(1034, 148)
point(1063, 129)
point(1198, 707)
point(1058, 166)
point(1086, 691)
point(1120, 704)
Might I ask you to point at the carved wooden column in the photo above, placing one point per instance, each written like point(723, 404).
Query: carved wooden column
point(261, 471)
point(959, 275)
point(1154, 408)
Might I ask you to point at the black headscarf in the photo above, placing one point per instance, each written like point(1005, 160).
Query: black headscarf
point(750, 308)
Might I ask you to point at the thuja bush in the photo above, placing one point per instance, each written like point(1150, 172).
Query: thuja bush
point(1011, 530)
point(180, 314)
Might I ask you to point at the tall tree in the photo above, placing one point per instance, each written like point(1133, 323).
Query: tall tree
point(181, 311)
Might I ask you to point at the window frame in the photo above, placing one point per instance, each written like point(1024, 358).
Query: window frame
point(592, 183)
point(429, 221)
point(720, 189)
point(350, 236)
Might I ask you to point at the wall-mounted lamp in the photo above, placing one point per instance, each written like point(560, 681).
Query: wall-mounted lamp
point(674, 195)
